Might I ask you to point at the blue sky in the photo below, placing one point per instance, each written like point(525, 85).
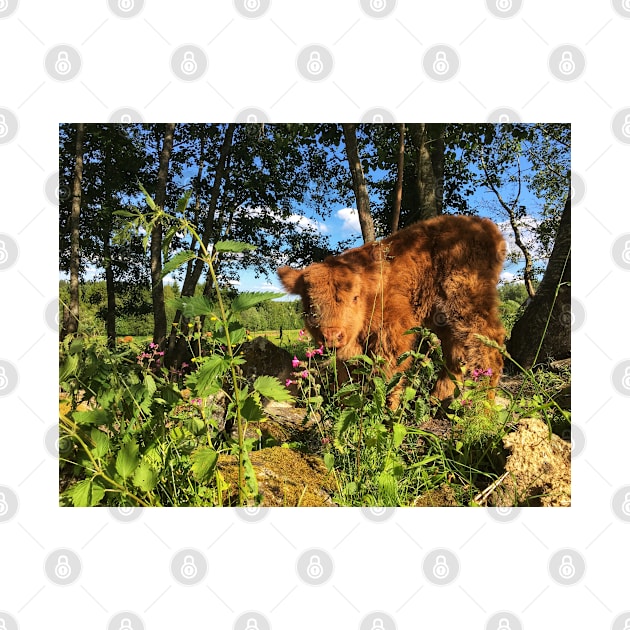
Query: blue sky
point(344, 224)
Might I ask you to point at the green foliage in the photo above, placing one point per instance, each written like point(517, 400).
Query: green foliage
point(136, 437)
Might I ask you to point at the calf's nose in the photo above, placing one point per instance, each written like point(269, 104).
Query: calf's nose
point(333, 337)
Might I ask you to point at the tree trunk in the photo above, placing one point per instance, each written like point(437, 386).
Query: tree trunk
point(178, 350)
point(110, 320)
point(157, 286)
point(437, 160)
point(399, 179)
point(106, 211)
point(70, 323)
point(358, 183)
point(544, 329)
point(424, 176)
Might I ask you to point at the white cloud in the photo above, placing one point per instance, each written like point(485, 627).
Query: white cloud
point(350, 218)
point(301, 222)
point(305, 223)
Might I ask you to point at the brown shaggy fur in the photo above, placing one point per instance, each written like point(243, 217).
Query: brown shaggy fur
point(441, 273)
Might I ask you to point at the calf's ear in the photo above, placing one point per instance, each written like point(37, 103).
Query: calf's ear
point(292, 279)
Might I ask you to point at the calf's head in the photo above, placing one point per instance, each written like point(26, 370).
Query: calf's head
point(333, 298)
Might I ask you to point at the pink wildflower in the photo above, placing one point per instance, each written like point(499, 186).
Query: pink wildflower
point(304, 374)
point(477, 373)
point(288, 382)
point(301, 333)
point(296, 362)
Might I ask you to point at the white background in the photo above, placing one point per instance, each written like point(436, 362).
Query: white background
point(251, 63)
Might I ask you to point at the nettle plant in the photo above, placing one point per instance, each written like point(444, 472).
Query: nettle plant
point(136, 433)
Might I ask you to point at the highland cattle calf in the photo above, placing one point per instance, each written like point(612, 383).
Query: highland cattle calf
point(441, 273)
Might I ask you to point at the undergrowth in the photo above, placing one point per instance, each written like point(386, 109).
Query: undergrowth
point(134, 432)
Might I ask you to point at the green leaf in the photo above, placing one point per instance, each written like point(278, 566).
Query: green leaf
point(233, 247)
point(145, 477)
point(192, 306)
point(379, 392)
point(149, 384)
point(194, 424)
point(399, 430)
point(69, 367)
point(86, 493)
point(101, 443)
point(176, 261)
point(387, 486)
point(76, 346)
point(182, 202)
point(248, 299)
point(127, 459)
point(347, 418)
point(208, 379)
point(147, 197)
point(251, 408)
point(329, 461)
point(204, 461)
point(94, 416)
point(272, 388)
point(126, 214)
point(251, 483)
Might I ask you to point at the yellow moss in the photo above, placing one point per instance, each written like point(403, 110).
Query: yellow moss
point(286, 478)
point(443, 496)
